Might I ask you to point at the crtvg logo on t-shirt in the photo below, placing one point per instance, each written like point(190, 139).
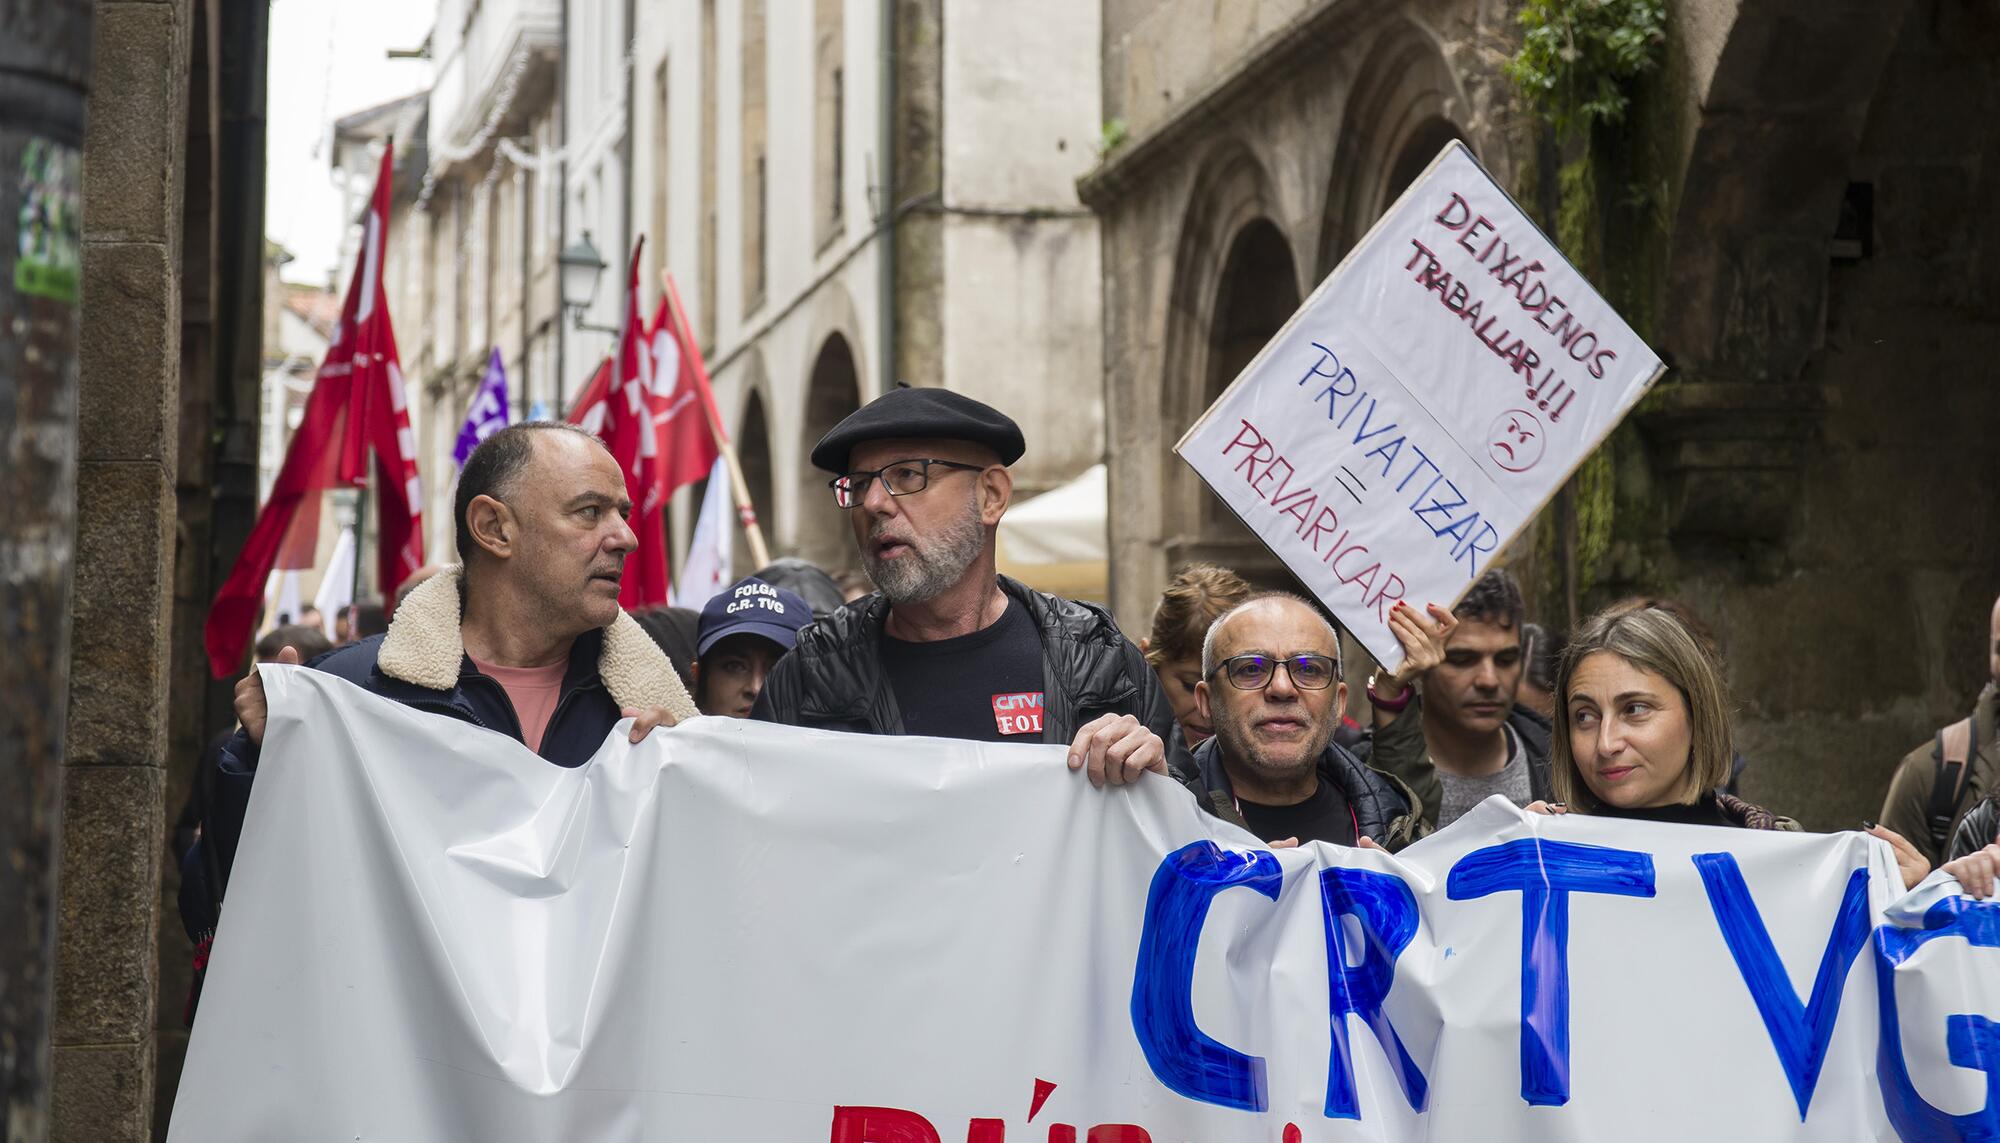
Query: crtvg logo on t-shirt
point(1018, 713)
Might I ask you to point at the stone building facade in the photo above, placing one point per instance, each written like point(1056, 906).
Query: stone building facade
point(474, 225)
point(173, 208)
point(837, 226)
point(1794, 227)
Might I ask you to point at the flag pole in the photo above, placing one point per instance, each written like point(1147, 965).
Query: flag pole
point(746, 512)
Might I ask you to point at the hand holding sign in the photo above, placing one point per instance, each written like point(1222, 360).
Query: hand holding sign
point(1422, 405)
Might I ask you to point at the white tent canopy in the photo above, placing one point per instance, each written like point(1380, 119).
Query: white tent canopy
point(1056, 542)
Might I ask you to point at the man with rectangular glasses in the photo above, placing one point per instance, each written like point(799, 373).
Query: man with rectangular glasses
point(1271, 687)
point(947, 646)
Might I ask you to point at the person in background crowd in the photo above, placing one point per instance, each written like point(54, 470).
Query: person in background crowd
point(306, 644)
point(308, 616)
point(806, 580)
point(415, 580)
point(527, 639)
point(676, 630)
point(1942, 794)
point(369, 619)
point(1271, 687)
point(1644, 732)
point(343, 627)
point(1196, 597)
point(1479, 739)
point(744, 632)
point(853, 584)
point(1541, 655)
point(948, 646)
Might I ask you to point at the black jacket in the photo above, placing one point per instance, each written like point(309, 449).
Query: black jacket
point(1386, 810)
point(833, 680)
point(1975, 830)
point(422, 664)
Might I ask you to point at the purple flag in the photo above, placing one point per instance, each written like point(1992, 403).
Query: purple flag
point(488, 414)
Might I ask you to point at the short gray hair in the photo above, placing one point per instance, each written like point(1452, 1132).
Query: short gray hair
point(1208, 640)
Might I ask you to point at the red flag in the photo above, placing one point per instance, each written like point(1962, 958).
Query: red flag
point(688, 446)
point(357, 403)
point(589, 409)
point(628, 430)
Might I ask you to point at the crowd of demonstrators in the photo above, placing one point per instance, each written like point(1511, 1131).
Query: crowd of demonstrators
point(947, 646)
point(1238, 695)
point(744, 632)
point(1271, 688)
point(525, 637)
point(1943, 793)
point(1197, 596)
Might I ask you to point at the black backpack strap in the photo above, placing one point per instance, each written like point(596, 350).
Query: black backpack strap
point(1948, 788)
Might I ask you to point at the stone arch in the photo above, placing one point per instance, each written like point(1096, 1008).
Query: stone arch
point(833, 314)
point(1231, 237)
point(1404, 106)
point(833, 390)
point(1768, 160)
point(1761, 191)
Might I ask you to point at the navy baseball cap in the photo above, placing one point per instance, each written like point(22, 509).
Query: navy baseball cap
point(753, 607)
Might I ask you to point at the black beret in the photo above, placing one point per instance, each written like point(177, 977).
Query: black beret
point(920, 414)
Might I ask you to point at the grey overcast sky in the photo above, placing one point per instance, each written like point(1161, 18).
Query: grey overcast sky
point(328, 59)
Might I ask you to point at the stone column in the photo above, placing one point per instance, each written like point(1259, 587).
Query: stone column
point(128, 416)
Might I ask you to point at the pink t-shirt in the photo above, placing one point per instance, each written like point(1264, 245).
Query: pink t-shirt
point(533, 691)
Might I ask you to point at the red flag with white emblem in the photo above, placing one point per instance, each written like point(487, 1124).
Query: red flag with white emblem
point(357, 404)
point(630, 431)
point(688, 446)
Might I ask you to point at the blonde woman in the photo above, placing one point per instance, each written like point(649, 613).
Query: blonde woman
point(1642, 731)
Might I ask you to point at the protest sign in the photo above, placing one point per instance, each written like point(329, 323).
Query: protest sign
point(749, 932)
point(1422, 404)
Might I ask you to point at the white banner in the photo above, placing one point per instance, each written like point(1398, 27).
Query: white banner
point(1422, 404)
point(736, 931)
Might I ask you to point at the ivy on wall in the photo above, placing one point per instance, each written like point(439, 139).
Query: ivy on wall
point(1579, 58)
point(1578, 68)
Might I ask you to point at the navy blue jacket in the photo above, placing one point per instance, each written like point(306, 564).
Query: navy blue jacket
point(1386, 810)
point(586, 710)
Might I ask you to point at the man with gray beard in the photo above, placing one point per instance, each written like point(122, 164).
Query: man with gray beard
point(948, 647)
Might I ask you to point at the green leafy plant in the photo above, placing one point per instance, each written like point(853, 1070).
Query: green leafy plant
point(1579, 57)
point(1113, 136)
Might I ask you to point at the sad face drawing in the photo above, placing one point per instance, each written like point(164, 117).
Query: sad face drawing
point(1515, 440)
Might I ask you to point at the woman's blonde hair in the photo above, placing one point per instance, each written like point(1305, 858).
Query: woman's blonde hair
point(1190, 605)
point(1654, 640)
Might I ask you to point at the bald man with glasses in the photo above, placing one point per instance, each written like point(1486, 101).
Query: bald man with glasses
point(1272, 688)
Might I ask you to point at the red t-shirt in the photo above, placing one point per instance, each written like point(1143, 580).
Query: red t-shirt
point(532, 690)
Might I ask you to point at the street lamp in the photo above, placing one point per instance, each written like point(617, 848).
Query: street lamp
point(582, 266)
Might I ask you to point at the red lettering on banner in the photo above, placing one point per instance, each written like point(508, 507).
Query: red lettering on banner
point(881, 1125)
point(894, 1125)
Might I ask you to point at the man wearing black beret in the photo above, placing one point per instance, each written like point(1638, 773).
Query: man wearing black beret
point(947, 646)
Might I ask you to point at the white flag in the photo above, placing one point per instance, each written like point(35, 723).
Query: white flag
point(286, 585)
point(706, 571)
point(336, 587)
